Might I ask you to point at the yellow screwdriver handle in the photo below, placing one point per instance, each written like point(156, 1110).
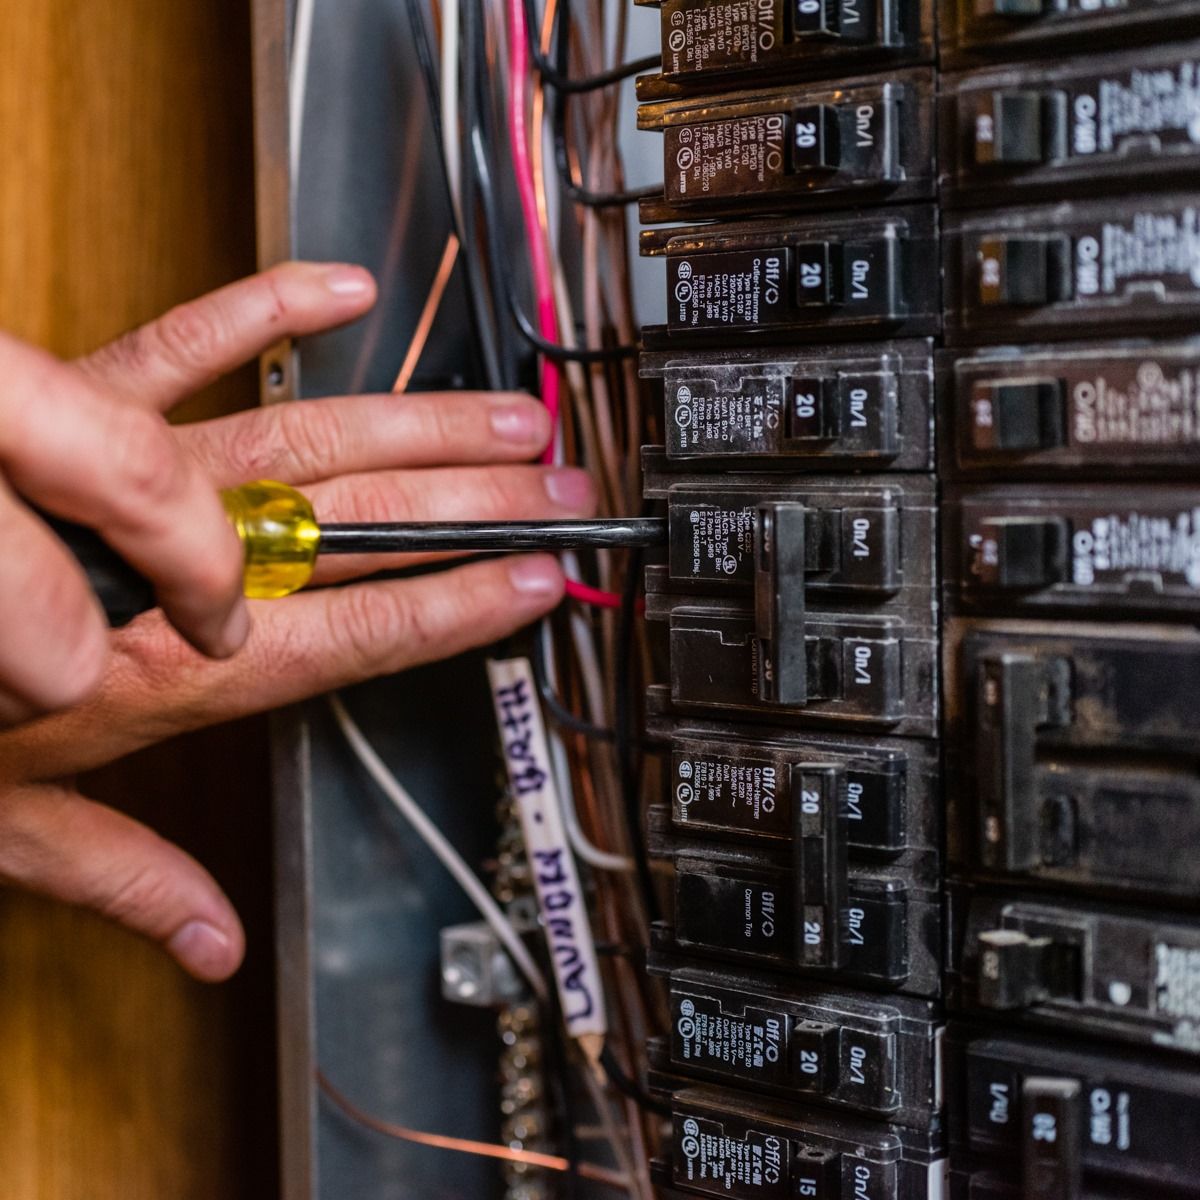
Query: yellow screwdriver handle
point(280, 536)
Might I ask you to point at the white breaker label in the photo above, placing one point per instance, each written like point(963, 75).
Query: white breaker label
point(1116, 544)
point(1163, 102)
point(1155, 404)
point(1151, 247)
point(1176, 992)
point(719, 34)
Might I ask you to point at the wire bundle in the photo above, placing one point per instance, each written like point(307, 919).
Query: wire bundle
point(508, 88)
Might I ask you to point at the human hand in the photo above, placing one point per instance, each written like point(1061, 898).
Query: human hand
point(370, 458)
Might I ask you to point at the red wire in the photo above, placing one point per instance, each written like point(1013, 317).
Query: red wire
point(587, 594)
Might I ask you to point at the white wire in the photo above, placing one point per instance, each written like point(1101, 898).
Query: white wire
point(451, 135)
point(433, 837)
point(589, 663)
point(298, 71)
point(602, 860)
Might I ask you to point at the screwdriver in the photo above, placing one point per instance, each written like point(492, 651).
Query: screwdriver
point(282, 542)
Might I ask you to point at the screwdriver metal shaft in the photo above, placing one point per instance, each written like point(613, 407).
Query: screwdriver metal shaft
point(484, 536)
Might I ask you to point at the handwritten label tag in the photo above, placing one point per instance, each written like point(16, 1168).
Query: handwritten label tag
point(560, 897)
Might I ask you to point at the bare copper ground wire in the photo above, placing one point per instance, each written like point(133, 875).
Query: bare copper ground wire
point(440, 1141)
point(433, 301)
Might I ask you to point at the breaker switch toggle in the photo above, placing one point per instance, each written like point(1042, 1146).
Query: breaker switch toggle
point(1017, 971)
point(818, 268)
point(835, 20)
point(1024, 271)
point(1052, 1138)
point(1020, 553)
point(1020, 127)
point(816, 139)
point(1018, 414)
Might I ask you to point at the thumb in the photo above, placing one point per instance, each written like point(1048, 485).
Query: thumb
point(59, 843)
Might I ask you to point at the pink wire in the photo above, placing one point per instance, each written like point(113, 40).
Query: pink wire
point(543, 279)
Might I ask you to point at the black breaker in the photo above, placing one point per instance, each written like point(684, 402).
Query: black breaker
point(928, 718)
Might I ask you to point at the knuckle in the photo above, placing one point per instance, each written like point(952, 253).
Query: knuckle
point(444, 426)
point(137, 896)
point(190, 336)
point(311, 436)
point(27, 846)
point(147, 462)
point(251, 449)
point(128, 357)
point(370, 498)
point(372, 622)
point(274, 283)
point(152, 658)
point(300, 438)
point(502, 493)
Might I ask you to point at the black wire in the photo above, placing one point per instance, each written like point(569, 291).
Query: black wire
point(482, 134)
point(481, 325)
point(558, 113)
point(556, 76)
point(559, 352)
point(487, 194)
point(627, 766)
point(630, 1088)
point(619, 950)
point(582, 195)
point(558, 1080)
point(559, 713)
point(477, 110)
point(474, 70)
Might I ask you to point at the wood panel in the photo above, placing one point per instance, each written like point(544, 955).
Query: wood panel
point(125, 134)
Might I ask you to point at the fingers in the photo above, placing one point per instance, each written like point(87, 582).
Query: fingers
point(54, 646)
point(161, 363)
point(446, 494)
point(299, 647)
point(56, 842)
point(68, 446)
point(317, 439)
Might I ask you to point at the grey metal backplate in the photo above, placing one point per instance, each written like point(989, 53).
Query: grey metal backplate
point(360, 900)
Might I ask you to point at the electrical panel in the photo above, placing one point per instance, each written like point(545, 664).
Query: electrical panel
point(929, 393)
point(848, 829)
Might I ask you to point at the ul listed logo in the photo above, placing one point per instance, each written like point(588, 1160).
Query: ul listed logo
point(690, 1145)
point(683, 286)
point(683, 410)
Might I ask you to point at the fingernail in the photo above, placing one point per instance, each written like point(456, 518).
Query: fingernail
point(540, 576)
point(236, 630)
point(348, 281)
point(570, 488)
point(520, 423)
point(202, 948)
